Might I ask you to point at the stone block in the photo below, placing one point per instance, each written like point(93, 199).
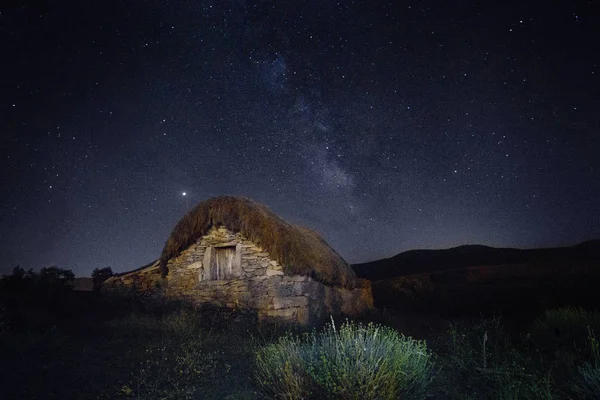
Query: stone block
point(289, 302)
point(226, 244)
point(273, 272)
point(292, 289)
point(297, 278)
point(194, 265)
point(286, 313)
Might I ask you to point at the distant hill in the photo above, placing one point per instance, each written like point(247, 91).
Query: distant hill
point(478, 280)
point(422, 261)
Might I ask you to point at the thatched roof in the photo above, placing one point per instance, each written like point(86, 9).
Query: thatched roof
point(299, 250)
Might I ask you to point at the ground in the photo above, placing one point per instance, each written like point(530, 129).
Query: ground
point(86, 346)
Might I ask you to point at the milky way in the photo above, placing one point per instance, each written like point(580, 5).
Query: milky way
point(383, 126)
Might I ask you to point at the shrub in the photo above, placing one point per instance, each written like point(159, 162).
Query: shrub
point(564, 329)
point(482, 357)
point(560, 339)
point(587, 379)
point(281, 369)
point(353, 361)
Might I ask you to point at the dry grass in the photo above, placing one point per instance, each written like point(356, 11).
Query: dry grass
point(299, 250)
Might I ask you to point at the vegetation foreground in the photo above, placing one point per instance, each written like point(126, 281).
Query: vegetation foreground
point(59, 344)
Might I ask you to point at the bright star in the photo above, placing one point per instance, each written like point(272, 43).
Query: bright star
point(183, 193)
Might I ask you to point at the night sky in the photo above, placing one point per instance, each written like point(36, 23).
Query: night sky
point(384, 126)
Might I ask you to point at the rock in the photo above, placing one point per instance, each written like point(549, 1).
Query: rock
point(261, 283)
point(273, 272)
point(196, 265)
point(228, 244)
point(298, 278)
point(286, 313)
point(288, 302)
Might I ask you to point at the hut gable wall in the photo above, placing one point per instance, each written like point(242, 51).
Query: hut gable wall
point(224, 268)
point(255, 281)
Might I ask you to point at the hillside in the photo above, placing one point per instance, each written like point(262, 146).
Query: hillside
point(473, 280)
point(421, 261)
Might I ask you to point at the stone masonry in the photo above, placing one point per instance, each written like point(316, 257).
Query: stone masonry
point(261, 285)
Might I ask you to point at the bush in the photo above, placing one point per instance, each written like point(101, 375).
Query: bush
point(587, 382)
point(281, 369)
point(587, 379)
point(560, 338)
point(564, 329)
point(482, 357)
point(352, 362)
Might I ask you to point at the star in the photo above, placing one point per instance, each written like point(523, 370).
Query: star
point(320, 129)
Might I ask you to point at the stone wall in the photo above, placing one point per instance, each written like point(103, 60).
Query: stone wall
point(261, 286)
point(138, 280)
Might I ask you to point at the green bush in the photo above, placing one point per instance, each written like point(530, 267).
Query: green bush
point(281, 369)
point(350, 362)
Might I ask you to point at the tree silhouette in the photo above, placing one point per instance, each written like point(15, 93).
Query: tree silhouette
point(49, 278)
point(99, 275)
point(55, 276)
point(19, 280)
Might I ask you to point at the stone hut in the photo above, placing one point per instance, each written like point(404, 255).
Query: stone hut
point(233, 252)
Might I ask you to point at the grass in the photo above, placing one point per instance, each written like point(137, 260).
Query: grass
point(139, 349)
point(587, 379)
point(175, 363)
point(482, 356)
point(281, 369)
point(564, 330)
point(352, 361)
point(563, 340)
point(133, 353)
